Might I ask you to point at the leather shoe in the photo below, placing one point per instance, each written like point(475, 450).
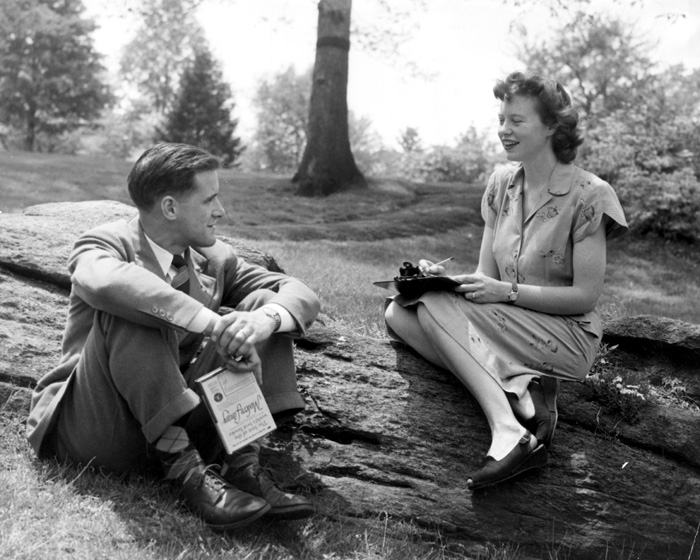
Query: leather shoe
point(543, 392)
point(253, 480)
point(219, 504)
point(544, 395)
point(520, 459)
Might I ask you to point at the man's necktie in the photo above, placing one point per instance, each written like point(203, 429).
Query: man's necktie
point(181, 281)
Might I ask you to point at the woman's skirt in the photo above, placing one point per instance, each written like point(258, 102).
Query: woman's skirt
point(511, 343)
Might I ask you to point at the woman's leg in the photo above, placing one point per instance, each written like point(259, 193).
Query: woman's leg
point(404, 322)
point(506, 431)
point(417, 328)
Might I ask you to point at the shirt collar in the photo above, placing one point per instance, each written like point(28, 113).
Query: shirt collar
point(560, 182)
point(163, 256)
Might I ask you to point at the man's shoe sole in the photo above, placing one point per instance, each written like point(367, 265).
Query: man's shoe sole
point(242, 523)
point(292, 512)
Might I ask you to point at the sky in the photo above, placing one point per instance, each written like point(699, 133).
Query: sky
point(442, 82)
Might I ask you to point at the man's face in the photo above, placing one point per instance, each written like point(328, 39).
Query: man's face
point(199, 210)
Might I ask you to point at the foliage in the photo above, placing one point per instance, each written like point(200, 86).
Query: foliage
point(163, 45)
point(600, 59)
point(609, 386)
point(469, 161)
point(125, 133)
point(201, 114)
point(282, 113)
point(282, 121)
point(643, 132)
point(364, 142)
point(663, 204)
point(410, 141)
point(50, 79)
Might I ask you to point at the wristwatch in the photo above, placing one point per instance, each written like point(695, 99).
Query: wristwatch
point(272, 314)
point(513, 295)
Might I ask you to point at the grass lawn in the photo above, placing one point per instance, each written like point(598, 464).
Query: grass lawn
point(339, 246)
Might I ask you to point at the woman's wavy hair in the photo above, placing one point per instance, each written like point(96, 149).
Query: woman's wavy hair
point(553, 104)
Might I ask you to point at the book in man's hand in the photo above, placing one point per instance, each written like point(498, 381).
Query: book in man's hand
point(237, 407)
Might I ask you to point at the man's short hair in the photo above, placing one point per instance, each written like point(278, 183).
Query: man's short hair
point(167, 169)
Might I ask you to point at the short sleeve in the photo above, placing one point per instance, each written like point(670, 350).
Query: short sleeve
point(598, 200)
point(489, 209)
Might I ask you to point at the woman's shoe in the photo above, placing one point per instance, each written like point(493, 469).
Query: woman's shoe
point(549, 389)
point(522, 458)
point(543, 392)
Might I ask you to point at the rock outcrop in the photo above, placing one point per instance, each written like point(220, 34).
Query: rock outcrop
point(386, 433)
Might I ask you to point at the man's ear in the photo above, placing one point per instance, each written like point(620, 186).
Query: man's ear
point(169, 207)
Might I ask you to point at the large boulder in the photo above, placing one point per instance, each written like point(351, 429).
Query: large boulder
point(387, 433)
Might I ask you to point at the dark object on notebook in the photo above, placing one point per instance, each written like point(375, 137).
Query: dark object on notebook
point(412, 283)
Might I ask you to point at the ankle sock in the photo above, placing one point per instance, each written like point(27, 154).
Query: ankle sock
point(248, 455)
point(178, 456)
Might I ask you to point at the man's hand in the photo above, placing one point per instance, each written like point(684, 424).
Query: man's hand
point(244, 363)
point(236, 334)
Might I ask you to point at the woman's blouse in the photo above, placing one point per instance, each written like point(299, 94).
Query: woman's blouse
point(537, 249)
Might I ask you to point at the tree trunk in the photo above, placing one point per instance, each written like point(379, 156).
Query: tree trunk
point(328, 165)
point(30, 138)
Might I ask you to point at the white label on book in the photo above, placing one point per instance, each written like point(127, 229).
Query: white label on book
point(237, 407)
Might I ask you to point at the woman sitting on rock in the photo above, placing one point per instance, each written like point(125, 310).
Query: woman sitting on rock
point(526, 317)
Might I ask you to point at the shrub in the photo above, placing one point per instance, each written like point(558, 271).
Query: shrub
point(610, 388)
point(663, 204)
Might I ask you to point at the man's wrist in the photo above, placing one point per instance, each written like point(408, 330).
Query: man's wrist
point(212, 323)
point(274, 315)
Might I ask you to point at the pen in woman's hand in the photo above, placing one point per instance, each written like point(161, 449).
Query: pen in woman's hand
point(426, 271)
point(444, 261)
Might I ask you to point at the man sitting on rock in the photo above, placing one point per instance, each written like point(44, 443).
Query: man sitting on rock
point(145, 295)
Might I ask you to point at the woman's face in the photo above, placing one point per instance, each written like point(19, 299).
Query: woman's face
point(523, 134)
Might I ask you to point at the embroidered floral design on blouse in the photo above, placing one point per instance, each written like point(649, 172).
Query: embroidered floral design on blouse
point(544, 367)
point(589, 213)
point(557, 258)
point(491, 199)
point(547, 214)
point(513, 198)
point(501, 322)
point(511, 268)
point(540, 344)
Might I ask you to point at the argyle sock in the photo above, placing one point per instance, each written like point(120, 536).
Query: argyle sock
point(248, 455)
point(178, 456)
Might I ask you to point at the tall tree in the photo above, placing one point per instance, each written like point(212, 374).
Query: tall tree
point(201, 114)
point(282, 124)
point(49, 71)
point(163, 44)
point(328, 165)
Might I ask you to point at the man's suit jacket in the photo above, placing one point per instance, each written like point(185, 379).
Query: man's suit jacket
point(114, 270)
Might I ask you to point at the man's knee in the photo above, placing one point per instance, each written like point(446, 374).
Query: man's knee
point(255, 300)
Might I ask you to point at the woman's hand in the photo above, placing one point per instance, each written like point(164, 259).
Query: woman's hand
point(430, 269)
point(480, 288)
